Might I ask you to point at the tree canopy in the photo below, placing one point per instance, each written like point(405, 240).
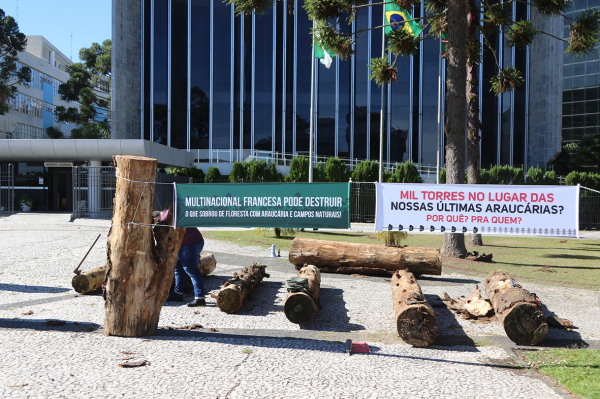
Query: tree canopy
point(12, 41)
point(87, 79)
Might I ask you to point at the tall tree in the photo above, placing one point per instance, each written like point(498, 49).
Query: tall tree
point(11, 42)
point(87, 80)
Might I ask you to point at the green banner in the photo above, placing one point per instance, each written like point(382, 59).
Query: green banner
point(285, 205)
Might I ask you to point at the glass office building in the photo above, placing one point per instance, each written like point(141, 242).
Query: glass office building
point(226, 85)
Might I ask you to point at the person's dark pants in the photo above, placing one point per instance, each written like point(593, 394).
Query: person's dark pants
point(187, 261)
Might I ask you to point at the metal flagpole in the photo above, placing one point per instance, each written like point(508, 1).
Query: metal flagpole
point(439, 138)
point(382, 100)
point(312, 108)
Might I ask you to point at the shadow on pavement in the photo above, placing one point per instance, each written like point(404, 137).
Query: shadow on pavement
point(334, 315)
point(49, 325)
point(31, 288)
point(448, 280)
point(447, 322)
point(261, 301)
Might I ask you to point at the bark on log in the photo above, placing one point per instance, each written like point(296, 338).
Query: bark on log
point(207, 264)
point(300, 307)
point(236, 290)
point(415, 318)
point(519, 311)
point(368, 259)
point(557, 322)
point(472, 307)
point(89, 281)
point(139, 271)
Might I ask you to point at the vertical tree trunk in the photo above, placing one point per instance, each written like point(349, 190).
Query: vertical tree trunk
point(139, 271)
point(473, 123)
point(454, 243)
point(416, 320)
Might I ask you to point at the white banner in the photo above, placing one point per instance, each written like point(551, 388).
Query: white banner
point(485, 209)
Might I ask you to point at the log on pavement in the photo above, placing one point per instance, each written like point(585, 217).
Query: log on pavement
point(207, 264)
point(415, 319)
point(89, 281)
point(473, 307)
point(139, 271)
point(368, 259)
point(236, 290)
point(301, 306)
point(519, 311)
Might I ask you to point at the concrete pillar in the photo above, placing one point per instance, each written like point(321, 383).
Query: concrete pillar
point(94, 188)
point(51, 58)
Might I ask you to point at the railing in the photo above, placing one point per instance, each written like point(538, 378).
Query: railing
point(93, 191)
point(589, 209)
point(7, 190)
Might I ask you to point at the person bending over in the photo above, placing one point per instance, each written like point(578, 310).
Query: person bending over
point(187, 262)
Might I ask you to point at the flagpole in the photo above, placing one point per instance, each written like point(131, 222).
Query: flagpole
point(382, 99)
point(312, 105)
point(439, 138)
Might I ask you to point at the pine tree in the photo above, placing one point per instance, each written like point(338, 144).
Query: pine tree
point(12, 41)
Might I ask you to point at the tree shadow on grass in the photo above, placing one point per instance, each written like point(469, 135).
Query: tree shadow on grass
point(569, 256)
point(548, 266)
point(334, 315)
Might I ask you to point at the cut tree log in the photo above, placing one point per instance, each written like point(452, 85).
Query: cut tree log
point(89, 281)
point(300, 306)
point(519, 311)
point(472, 307)
point(139, 271)
point(557, 322)
point(207, 264)
point(368, 259)
point(236, 290)
point(416, 320)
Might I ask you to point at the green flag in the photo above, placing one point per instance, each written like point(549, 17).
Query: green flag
point(326, 57)
point(397, 17)
point(444, 44)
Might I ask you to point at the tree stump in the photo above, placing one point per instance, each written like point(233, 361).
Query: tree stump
point(368, 259)
point(454, 245)
point(416, 320)
point(139, 271)
point(236, 290)
point(519, 311)
point(476, 240)
point(89, 281)
point(300, 307)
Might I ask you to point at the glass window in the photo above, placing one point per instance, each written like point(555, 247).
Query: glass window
point(361, 82)
point(263, 81)
point(161, 27)
point(200, 75)
point(222, 31)
point(578, 108)
point(179, 64)
point(303, 70)
point(345, 111)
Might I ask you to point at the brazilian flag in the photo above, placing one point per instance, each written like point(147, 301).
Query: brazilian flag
point(444, 44)
point(397, 17)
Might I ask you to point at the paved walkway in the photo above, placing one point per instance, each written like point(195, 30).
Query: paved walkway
point(256, 352)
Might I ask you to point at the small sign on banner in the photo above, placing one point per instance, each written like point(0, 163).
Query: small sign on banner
point(285, 205)
point(485, 209)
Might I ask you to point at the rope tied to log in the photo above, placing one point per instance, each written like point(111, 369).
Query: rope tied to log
point(300, 284)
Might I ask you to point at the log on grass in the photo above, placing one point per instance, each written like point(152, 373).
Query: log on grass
point(518, 310)
point(415, 319)
point(300, 307)
point(207, 264)
point(89, 281)
point(473, 307)
point(368, 259)
point(235, 291)
point(139, 271)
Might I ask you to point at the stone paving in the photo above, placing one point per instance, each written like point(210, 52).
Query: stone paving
point(256, 352)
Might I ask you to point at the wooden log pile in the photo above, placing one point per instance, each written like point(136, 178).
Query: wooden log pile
point(301, 305)
point(416, 320)
point(236, 290)
point(139, 271)
point(367, 259)
point(518, 310)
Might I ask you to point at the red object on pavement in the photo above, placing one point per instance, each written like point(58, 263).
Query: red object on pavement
point(360, 347)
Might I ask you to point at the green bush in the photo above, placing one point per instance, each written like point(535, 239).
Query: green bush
point(195, 173)
point(272, 174)
point(443, 176)
point(550, 178)
point(238, 172)
point(299, 170)
point(257, 170)
point(367, 171)
point(213, 175)
point(336, 171)
point(535, 176)
point(589, 180)
point(501, 174)
point(484, 176)
point(319, 175)
point(408, 173)
point(518, 176)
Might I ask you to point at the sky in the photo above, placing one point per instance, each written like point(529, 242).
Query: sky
point(88, 20)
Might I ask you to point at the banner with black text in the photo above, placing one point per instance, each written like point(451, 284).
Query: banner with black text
point(485, 209)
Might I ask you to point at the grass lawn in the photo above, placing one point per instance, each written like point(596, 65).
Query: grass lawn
point(576, 369)
point(574, 262)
